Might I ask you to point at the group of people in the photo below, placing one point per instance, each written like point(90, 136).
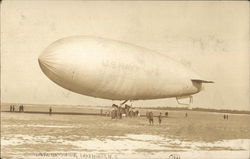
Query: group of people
point(12, 108)
point(20, 108)
point(225, 116)
point(118, 112)
point(150, 117)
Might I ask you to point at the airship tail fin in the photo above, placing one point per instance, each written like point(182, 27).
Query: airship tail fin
point(201, 81)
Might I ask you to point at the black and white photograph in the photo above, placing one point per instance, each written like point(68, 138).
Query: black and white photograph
point(125, 79)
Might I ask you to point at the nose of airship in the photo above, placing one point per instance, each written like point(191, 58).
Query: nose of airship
point(50, 62)
point(57, 62)
point(45, 63)
point(42, 63)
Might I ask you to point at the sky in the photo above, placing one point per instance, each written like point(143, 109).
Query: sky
point(211, 37)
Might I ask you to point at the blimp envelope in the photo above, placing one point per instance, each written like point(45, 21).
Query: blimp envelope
point(116, 70)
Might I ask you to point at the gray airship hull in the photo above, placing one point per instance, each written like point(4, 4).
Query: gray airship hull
point(115, 70)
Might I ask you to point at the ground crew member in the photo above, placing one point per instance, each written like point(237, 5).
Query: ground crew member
point(159, 119)
point(166, 114)
point(50, 111)
point(151, 118)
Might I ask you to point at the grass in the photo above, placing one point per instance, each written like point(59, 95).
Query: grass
point(196, 127)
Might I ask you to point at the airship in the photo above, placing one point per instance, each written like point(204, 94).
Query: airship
point(116, 70)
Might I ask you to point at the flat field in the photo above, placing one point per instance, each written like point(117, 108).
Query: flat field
point(200, 135)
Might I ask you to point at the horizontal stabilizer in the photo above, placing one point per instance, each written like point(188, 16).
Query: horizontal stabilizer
point(201, 81)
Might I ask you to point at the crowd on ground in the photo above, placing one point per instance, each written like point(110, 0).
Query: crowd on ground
point(150, 117)
point(20, 108)
point(119, 112)
point(225, 116)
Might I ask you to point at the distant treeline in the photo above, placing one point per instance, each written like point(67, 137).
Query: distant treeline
point(202, 109)
point(155, 108)
point(222, 110)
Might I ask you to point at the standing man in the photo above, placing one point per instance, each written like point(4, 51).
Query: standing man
point(166, 114)
point(159, 118)
point(151, 118)
point(50, 111)
point(10, 108)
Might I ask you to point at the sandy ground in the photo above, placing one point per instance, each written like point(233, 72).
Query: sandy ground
point(200, 135)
